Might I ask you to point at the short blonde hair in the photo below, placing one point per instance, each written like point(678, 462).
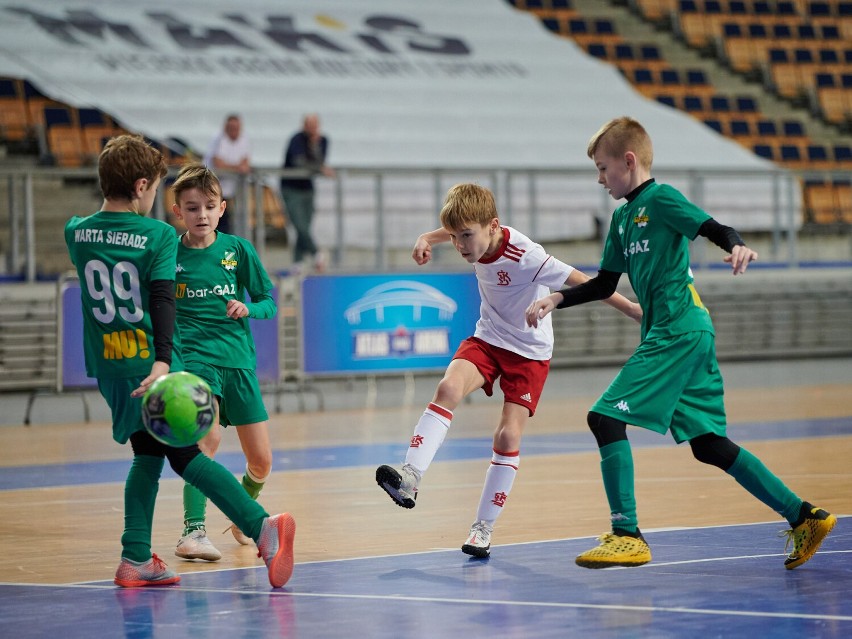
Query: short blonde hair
point(620, 135)
point(467, 203)
point(196, 176)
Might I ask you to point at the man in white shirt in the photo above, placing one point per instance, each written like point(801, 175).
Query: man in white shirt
point(230, 154)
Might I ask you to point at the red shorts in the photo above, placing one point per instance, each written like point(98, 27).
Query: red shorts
point(521, 379)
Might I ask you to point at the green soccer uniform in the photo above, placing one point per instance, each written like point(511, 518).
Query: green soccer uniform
point(672, 381)
point(219, 349)
point(117, 255)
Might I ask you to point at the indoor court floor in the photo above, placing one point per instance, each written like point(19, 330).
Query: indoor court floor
point(367, 568)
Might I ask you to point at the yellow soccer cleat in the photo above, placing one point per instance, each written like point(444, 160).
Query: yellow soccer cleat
point(807, 536)
point(616, 550)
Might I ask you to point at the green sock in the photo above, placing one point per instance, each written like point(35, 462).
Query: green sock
point(757, 479)
point(140, 495)
point(617, 471)
point(222, 488)
point(252, 487)
point(194, 508)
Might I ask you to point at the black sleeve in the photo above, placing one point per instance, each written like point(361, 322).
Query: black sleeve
point(161, 305)
point(600, 287)
point(722, 236)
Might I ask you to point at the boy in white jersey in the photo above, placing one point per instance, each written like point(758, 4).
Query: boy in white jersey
point(512, 271)
point(215, 271)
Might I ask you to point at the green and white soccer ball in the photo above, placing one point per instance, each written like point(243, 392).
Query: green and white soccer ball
point(178, 409)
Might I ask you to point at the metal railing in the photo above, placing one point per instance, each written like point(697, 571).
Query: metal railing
point(381, 209)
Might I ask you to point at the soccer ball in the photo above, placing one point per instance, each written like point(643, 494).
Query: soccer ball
point(178, 409)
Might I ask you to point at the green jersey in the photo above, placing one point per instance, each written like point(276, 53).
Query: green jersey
point(205, 280)
point(117, 255)
point(649, 240)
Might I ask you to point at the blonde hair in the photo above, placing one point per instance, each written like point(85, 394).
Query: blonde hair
point(620, 135)
point(124, 160)
point(196, 176)
point(466, 203)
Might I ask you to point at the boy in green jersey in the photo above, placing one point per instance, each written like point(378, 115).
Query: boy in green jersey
point(214, 272)
point(126, 264)
point(672, 380)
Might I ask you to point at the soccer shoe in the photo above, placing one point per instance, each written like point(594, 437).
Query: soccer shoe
point(478, 542)
point(401, 486)
point(154, 572)
point(807, 536)
point(616, 550)
point(275, 546)
point(242, 538)
point(196, 545)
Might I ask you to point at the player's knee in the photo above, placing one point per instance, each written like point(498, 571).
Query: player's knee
point(607, 430)
point(260, 465)
point(449, 393)
point(714, 450)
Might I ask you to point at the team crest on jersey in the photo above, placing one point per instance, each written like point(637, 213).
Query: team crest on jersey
point(228, 261)
point(503, 278)
point(641, 218)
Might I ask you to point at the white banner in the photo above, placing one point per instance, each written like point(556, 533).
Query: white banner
point(448, 83)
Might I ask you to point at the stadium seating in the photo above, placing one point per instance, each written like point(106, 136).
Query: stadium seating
point(797, 49)
point(63, 135)
point(14, 124)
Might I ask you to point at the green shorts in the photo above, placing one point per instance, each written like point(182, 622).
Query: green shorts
point(240, 400)
point(670, 383)
point(126, 410)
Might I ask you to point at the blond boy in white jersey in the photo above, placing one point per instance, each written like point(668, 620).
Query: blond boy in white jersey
point(512, 271)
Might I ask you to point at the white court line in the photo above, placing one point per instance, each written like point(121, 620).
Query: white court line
point(483, 602)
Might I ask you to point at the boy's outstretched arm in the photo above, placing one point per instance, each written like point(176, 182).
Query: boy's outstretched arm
point(616, 300)
point(600, 287)
point(422, 251)
point(728, 239)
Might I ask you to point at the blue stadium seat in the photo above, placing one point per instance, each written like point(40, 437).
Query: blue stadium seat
point(829, 56)
point(597, 50)
point(670, 77)
point(650, 52)
point(790, 153)
point(643, 76)
point(778, 56)
point(767, 128)
point(793, 128)
point(806, 31)
point(817, 153)
point(739, 128)
point(764, 151)
point(781, 31)
point(720, 104)
point(716, 125)
point(842, 153)
point(693, 103)
point(830, 32)
point(746, 104)
point(624, 52)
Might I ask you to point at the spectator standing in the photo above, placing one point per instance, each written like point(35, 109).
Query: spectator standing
point(230, 153)
point(306, 150)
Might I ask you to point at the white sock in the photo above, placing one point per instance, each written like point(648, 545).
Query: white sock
point(498, 484)
point(428, 436)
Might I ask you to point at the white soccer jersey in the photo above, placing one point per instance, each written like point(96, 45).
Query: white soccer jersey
point(519, 273)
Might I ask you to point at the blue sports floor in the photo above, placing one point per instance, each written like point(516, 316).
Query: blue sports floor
point(707, 582)
point(61, 485)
